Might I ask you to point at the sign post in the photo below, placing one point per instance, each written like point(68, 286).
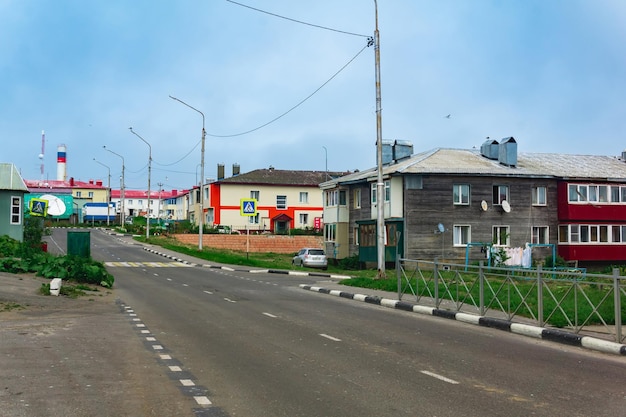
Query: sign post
point(248, 208)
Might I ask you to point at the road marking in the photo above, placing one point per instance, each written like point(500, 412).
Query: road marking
point(185, 285)
point(165, 357)
point(169, 279)
point(202, 400)
point(270, 315)
point(151, 339)
point(157, 347)
point(334, 339)
point(187, 382)
point(440, 377)
point(175, 368)
point(229, 300)
point(208, 292)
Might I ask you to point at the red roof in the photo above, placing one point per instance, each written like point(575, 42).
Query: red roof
point(71, 183)
point(154, 194)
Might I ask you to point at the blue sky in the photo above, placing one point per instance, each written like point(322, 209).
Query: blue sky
point(551, 73)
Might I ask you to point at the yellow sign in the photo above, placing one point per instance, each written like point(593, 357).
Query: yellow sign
point(248, 207)
point(38, 207)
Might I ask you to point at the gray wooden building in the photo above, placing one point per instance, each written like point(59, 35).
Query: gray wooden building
point(12, 190)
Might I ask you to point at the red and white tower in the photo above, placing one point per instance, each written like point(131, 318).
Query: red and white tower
point(61, 163)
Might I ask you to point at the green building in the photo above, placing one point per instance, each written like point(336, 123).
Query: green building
point(12, 191)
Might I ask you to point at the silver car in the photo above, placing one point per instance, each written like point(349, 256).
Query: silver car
point(310, 257)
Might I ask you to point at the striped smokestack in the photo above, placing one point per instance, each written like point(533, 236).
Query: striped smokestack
point(61, 163)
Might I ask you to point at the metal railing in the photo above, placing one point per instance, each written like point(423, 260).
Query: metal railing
point(571, 299)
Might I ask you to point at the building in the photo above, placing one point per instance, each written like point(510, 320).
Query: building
point(12, 192)
point(285, 200)
point(457, 204)
point(166, 205)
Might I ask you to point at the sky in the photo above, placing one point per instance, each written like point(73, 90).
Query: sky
point(282, 89)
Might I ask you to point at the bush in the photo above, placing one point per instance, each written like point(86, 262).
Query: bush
point(350, 263)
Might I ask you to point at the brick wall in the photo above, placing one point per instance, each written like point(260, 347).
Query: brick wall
point(258, 243)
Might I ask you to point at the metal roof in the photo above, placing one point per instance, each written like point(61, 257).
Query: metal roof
point(446, 161)
point(10, 178)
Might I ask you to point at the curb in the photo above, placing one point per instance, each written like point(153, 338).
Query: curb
point(549, 334)
point(252, 271)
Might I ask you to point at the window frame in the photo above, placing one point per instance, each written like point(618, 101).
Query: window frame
point(281, 202)
point(458, 194)
point(497, 194)
point(497, 235)
point(16, 212)
point(537, 199)
point(536, 234)
point(458, 232)
point(304, 197)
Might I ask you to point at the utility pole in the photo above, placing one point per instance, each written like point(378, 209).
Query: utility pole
point(380, 185)
point(149, 173)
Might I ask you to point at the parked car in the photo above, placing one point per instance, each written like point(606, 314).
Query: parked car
point(310, 257)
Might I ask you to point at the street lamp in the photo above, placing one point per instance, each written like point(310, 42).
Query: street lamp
point(122, 188)
point(109, 186)
point(149, 171)
point(326, 160)
point(201, 222)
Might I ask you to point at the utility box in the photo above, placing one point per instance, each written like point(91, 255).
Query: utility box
point(79, 244)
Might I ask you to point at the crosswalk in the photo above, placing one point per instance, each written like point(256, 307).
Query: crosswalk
point(148, 264)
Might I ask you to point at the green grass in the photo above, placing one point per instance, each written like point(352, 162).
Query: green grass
point(9, 306)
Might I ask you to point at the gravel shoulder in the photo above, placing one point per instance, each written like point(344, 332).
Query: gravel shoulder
point(76, 357)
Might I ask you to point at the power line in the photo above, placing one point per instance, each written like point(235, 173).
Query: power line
point(181, 159)
point(297, 105)
point(297, 21)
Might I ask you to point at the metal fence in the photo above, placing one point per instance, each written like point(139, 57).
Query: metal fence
point(571, 299)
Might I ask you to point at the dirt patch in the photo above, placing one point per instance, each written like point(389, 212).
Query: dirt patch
point(20, 297)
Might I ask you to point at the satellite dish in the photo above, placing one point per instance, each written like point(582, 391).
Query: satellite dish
point(441, 228)
point(483, 205)
point(506, 206)
point(56, 206)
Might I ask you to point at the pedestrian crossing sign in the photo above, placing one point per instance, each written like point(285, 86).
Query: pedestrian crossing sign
point(38, 207)
point(248, 207)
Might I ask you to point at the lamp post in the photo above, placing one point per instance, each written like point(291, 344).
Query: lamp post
point(326, 161)
point(109, 187)
point(149, 172)
point(380, 185)
point(122, 188)
point(201, 222)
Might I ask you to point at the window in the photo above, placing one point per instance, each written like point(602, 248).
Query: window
point(281, 202)
point(304, 197)
point(255, 194)
point(78, 194)
point(357, 198)
point(329, 232)
point(540, 235)
point(539, 196)
point(342, 197)
point(461, 235)
point(131, 202)
point(563, 234)
point(500, 236)
point(90, 194)
point(500, 193)
point(461, 194)
point(367, 235)
point(355, 235)
point(16, 210)
point(304, 219)
point(253, 219)
point(387, 191)
point(331, 198)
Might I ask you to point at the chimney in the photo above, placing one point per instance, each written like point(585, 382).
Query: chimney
point(235, 170)
point(61, 163)
point(99, 183)
point(508, 152)
point(220, 172)
point(71, 181)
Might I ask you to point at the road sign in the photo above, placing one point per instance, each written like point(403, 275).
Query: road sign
point(38, 207)
point(248, 207)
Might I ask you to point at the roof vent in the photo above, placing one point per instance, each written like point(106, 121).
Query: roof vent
point(220, 172)
point(402, 149)
point(508, 152)
point(387, 152)
point(489, 149)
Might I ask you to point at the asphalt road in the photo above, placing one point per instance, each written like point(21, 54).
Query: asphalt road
point(237, 343)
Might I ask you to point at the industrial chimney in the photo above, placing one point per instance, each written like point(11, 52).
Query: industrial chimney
point(61, 163)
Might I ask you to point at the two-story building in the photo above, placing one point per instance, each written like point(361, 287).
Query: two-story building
point(454, 203)
point(285, 200)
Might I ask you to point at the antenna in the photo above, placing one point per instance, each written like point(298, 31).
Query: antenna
point(506, 206)
point(43, 149)
point(484, 206)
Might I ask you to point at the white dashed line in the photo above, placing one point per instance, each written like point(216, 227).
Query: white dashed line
point(202, 400)
point(270, 315)
point(157, 347)
point(145, 331)
point(187, 383)
point(334, 339)
point(185, 285)
point(208, 292)
point(151, 339)
point(140, 325)
point(175, 368)
point(229, 300)
point(440, 377)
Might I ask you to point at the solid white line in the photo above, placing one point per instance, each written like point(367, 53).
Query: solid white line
point(334, 339)
point(270, 315)
point(440, 377)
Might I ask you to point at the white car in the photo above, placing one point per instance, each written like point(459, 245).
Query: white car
point(310, 257)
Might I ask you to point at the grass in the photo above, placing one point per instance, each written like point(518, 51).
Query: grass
point(10, 307)
point(71, 291)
